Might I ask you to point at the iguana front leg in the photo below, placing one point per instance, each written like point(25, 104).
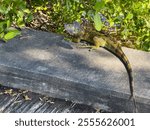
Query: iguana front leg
point(96, 43)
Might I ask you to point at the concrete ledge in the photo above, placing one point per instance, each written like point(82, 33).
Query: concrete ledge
point(45, 63)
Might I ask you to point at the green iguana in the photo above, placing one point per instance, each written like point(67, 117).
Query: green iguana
point(100, 40)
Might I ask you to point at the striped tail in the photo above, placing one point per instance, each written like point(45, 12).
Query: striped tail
point(117, 51)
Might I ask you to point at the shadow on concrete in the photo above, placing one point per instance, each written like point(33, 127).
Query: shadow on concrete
point(44, 63)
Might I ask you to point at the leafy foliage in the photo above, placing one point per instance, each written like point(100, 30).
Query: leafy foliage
point(12, 12)
point(133, 19)
point(126, 20)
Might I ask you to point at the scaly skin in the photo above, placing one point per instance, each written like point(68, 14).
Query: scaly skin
point(100, 40)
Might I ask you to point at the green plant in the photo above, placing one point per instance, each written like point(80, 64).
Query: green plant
point(129, 19)
point(126, 20)
point(133, 19)
point(12, 12)
point(65, 11)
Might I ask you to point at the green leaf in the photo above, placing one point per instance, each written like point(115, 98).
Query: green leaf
point(147, 23)
point(97, 22)
point(129, 16)
point(29, 18)
point(3, 26)
point(99, 5)
point(27, 11)
point(111, 22)
point(1, 35)
point(3, 9)
point(8, 23)
point(11, 34)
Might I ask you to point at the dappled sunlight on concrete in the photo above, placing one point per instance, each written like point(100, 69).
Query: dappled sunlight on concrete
point(47, 65)
point(38, 54)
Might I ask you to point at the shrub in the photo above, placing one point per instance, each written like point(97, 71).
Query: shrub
point(12, 12)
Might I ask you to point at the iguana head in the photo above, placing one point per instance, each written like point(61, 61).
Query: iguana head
point(74, 29)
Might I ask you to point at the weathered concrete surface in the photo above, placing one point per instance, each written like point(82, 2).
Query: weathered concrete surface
point(44, 63)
